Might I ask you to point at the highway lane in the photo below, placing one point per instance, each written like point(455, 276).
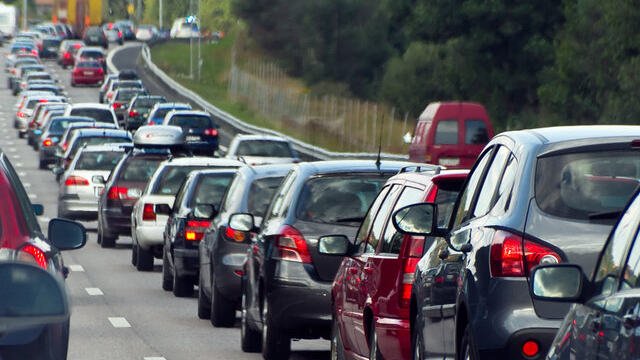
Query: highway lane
point(119, 313)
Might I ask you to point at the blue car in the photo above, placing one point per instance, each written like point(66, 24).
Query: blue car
point(201, 132)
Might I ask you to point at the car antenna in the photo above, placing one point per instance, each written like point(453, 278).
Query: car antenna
point(378, 162)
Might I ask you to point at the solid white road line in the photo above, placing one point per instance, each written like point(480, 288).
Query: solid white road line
point(76, 268)
point(119, 322)
point(93, 291)
point(154, 358)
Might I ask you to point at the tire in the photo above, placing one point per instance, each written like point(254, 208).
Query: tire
point(250, 340)
point(223, 310)
point(467, 349)
point(167, 278)
point(337, 347)
point(417, 352)
point(51, 344)
point(134, 253)
point(21, 134)
point(275, 345)
point(204, 304)
point(106, 241)
point(374, 351)
point(42, 165)
point(182, 287)
point(73, 84)
point(145, 259)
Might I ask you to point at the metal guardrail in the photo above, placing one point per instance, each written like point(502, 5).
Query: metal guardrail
point(241, 126)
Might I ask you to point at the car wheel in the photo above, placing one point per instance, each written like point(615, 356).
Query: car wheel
point(20, 134)
point(275, 345)
point(337, 347)
point(467, 346)
point(416, 340)
point(73, 84)
point(145, 259)
point(134, 252)
point(42, 165)
point(204, 304)
point(51, 344)
point(374, 352)
point(223, 310)
point(250, 340)
point(167, 278)
point(182, 287)
point(106, 241)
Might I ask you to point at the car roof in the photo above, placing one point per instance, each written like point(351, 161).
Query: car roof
point(267, 169)
point(187, 112)
point(569, 133)
point(105, 148)
point(351, 166)
point(202, 160)
point(172, 105)
point(90, 105)
point(103, 131)
point(245, 137)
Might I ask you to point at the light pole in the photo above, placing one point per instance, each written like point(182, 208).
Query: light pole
point(199, 38)
point(24, 14)
point(160, 14)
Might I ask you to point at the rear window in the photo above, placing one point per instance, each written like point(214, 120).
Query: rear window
point(191, 121)
point(50, 43)
point(211, 189)
point(264, 148)
point(171, 178)
point(128, 84)
point(446, 132)
point(58, 126)
point(92, 54)
point(260, 194)
point(88, 64)
point(98, 140)
point(583, 185)
point(98, 160)
point(147, 103)
point(475, 132)
point(140, 168)
point(339, 199)
point(126, 95)
point(38, 77)
point(101, 115)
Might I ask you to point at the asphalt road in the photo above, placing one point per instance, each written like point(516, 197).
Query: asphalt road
point(118, 312)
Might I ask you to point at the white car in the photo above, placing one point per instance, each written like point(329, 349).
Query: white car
point(146, 32)
point(262, 149)
point(146, 226)
point(98, 112)
point(79, 190)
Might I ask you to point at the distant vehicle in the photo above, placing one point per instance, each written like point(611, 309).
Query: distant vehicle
point(8, 20)
point(138, 110)
point(95, 36)
point(186, 27)
point(87, 72)
point(451, 134)
point(50, 47)
point(67, 52)
point(160, 110)
point(127, 29)
point(146, 32)
point(262, 149)
point(200, 130)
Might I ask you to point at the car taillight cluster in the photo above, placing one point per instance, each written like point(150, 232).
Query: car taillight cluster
point(147, 213)
point(66, 55)
point(409, 268)
point(194, 231)
point(116, 105)
point(47, 142)
point(32, 254)
point(133, 113)
point(235, 235)
point(76, 180)
point(211, 132)
point(291, 245)
point(117, 192)
point(20, 114)
point(508, 259)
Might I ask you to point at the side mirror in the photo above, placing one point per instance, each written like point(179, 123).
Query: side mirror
point(134, 193)
point(98, 179)
point(162, 209)
point(30, 296)
point(66, 234)
point(333, 245)
point(204, 212)
point(242, 222)
point(57, 170)
point(557, 282)
point(38, 209)
point(416, 219)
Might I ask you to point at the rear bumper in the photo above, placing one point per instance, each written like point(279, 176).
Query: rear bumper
point(186, 262)
point(149, 235)
point(115, 222)
point(394, 337)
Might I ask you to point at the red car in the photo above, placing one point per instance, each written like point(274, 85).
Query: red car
point(87, 72)
point(67, 56)
point(372, 289)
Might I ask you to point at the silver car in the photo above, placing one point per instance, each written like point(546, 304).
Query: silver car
point(82, 184)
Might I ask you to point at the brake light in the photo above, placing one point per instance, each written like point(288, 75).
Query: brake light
point(37, 256)
point(194, 230)
point(115, 105)
point(66, 55)
point(117, 192)
point(109, 95)
point(76, 180)
point(235, 235)
point(133, 113)
point(291, 245)
point(47, 142)
point(35, 52)
point(408, 270)
point(64, 147)
point(211, 132)
point(20, 114)
point(77, 45)
point(506, 256)
point(147, 213)
point(41, 100)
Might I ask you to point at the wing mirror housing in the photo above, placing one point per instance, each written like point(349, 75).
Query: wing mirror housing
point(242, 222)
point(418, 219)
point(98, 179)
point(333, 245)
point(558, 282)
point(66, 234)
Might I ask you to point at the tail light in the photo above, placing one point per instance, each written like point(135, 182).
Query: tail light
point(120, 34)
point(147, 213)
point(235, 235)
point(64, 146)
point(194, 230)
point(76, 180)
point(109, 95)
point(67, 162)
point(100, 72)
point(20, 114)
point(414, 252)
point(66, 55)
point(32, 254)
point(77, 45)
point(47, 142)
point(507, 258)
point(211, 132)
point(291, 245)
point(34, 52)
point(133, 113)
point(117, 192)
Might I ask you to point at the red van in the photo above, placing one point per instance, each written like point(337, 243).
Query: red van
point(451, 134)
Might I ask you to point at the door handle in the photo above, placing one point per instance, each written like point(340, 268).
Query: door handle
point(596, 324)
point(631, 321)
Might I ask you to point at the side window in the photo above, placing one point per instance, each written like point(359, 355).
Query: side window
point(466, 199)
point(610, 263)
point(446, 132)
point(487, 197)
point(381, 218)
point(505, 190)
point(26, 208)
point(631, 278)
point(392, 240)
point(475, 132)
point(277, 208)
point(368, 219)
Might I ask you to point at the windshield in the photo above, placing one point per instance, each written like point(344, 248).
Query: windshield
point(264, 148)
point(171, 178)
point(101, 115)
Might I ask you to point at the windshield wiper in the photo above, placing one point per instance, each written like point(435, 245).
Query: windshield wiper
point(605, 215)
point(351, 219)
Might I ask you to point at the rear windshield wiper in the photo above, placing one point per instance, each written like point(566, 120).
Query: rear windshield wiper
point(351, 219)
point(605, 215)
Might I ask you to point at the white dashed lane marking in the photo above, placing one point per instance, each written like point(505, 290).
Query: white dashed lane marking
point(154, 358)
point(76, 268)
point(94, 291)
point(119, 322)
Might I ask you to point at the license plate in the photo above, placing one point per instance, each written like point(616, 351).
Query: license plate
point(88, 72)
point(97, 190)
point(193, 138)
point(449, 161)
point(93, 38)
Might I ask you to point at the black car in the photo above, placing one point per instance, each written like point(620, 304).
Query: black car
point(51, 134)
point(534, 197)
point(50, 47)
point(222, 250)
point(283, 261)
point(136, 114)
point(95, 36)
point(606, 319)
point(199, 128)
point(197, 202)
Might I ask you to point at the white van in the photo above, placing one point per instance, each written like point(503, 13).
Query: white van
point(184, 29)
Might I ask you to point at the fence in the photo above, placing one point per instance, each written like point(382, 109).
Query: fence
point(338, 124)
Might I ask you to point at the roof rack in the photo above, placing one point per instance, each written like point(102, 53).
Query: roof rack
point(422, 168)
